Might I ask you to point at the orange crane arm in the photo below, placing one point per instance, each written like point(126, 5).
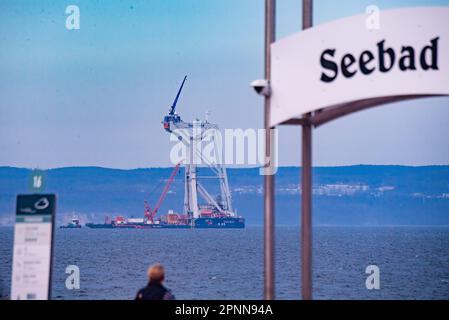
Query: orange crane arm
point(147, 210)
point(165, 191)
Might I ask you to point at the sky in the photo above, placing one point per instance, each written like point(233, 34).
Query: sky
point(96, 96)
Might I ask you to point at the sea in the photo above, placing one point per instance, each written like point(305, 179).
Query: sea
point(413, 262)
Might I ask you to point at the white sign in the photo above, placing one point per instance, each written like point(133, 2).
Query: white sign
point(32, 251)
point(344, 61)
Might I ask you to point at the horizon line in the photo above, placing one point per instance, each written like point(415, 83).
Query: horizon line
point(228, 168)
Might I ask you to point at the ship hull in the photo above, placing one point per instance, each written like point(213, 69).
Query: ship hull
point(220, 223)
point(199, 223)
point(99, 225)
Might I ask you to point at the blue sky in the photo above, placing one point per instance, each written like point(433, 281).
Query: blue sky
point(96, 96)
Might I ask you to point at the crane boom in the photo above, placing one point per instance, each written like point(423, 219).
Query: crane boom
point(173, 107)
point(149, 213)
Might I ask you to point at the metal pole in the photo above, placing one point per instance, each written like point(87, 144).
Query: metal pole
point(307, 14)
point(306, 183)
point(269, 276)
point(306, 210)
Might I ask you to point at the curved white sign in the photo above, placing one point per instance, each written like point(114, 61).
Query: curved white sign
point(344, 61)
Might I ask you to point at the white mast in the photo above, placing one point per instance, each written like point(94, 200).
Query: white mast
point(192, 135)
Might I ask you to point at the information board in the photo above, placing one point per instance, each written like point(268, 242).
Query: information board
point(33, 243)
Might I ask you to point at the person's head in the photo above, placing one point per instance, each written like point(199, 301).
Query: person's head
point(156, 273)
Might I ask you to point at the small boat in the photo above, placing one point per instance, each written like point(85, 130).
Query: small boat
point(74, 224)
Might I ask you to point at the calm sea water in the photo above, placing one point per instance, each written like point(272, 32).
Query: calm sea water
point(227, 264)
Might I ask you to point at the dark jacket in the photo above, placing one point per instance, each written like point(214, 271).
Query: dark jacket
point(154, 291)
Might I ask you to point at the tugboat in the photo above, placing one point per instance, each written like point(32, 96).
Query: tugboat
point(74, 224)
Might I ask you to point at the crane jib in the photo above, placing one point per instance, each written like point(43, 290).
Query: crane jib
point(172, 109)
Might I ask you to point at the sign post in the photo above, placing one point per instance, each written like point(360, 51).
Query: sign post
point(306, 182)
point(33, 244)
point(269, 224)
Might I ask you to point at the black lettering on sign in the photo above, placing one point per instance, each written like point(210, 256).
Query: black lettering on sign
point(407, 61)
point(346, 62)
point(365, 58)
point(433, 50)
point(382, 60)
point(328, 64)
point(386, 58)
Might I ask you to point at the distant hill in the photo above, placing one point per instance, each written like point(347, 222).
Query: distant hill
point(353, 195)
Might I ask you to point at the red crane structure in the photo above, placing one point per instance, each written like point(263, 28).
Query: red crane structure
point(149, 213)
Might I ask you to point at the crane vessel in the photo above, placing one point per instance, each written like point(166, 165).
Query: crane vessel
point(200, 208)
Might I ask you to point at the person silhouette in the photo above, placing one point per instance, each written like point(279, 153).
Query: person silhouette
point(154, 289)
